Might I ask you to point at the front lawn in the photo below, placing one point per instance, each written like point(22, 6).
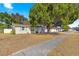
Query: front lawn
point(69, 47)
point(12, 43)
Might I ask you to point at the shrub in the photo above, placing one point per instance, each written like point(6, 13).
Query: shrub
point(13, 32)
point(65, 27)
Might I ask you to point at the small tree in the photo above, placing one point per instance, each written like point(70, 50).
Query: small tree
point(66, 27)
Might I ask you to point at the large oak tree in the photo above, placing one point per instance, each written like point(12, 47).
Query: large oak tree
point(53, 13)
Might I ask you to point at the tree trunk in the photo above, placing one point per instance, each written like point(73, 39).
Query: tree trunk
point(48, 29)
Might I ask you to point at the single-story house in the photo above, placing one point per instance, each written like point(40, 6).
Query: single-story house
point(39, 29)
point(18, 29)
point(74, 26)
point(7, 30)
point(43, 29)
point(57, 29)
point(21, 29)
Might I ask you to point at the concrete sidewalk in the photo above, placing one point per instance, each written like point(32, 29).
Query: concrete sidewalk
point(41, 49)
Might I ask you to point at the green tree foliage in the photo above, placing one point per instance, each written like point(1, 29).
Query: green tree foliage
point(65, 27)
point(17, 18)
point(46, 14)
point(6, 19)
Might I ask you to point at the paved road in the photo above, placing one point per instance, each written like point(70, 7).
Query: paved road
point(41, 49)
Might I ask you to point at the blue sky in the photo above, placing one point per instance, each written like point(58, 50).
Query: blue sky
point(21, 8)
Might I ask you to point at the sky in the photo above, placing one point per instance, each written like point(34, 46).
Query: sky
point(21, 8)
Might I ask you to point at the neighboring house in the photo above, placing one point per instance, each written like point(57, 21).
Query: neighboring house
point(40, 29)
point(43, 29)
point(19, 29)
point(57, 29)
point(74, 26)
point(9, 30)
point(53, 30)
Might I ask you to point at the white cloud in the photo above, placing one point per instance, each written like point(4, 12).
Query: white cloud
point(8, 5)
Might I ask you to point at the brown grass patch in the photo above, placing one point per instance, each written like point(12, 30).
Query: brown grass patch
point(12, 43)
point(70, 47)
